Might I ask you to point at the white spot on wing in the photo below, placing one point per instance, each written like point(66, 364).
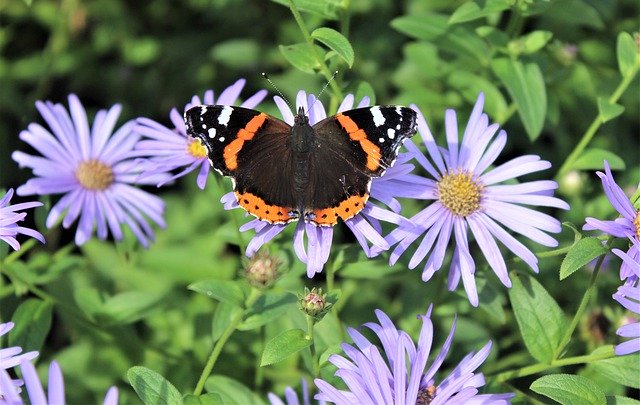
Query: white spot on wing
point(381, 140)
point(378, 118)
point(391, 133)
point(221, 139)
point(225, 114)
point(212, 132)
point(398, 126)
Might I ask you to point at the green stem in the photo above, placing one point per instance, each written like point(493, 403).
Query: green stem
point(226, 334)
point(324, 69)
point(314, 355)
point(24, 248)
point(597, 122)
point(540, 367)
point(515, 22)
point(583, 305)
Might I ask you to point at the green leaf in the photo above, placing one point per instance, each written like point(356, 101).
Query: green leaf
point(569, 389)
point(530, 43)
point(365, 89)
point(222, 318)
point(231, 391)
point(206, 399)
point(526, 86)
point(300, 56)
point(129, 306)
point(151, 387)
point(284, 345)
point(471, 11)
point(539, 317)
point(237, 53)
point(222, 290)
point(323, 8)
point(427, 27)
point(618, 400)
point(627, 52)
point(336, 42)
point(608, 110)
point(593, 159)
point(32, 323)
point(621, 369)
point(268, 307)
point(581, 254)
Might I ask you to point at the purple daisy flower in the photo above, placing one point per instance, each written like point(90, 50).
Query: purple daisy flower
point(628, 226)
point(628, 295)
point(372, 377)
point(9, 358)
point(9, 218)
point(365, 226)
point(55, 387)
point(93, 168)
point(291, 397)
point(467, 195)
point(170, 149)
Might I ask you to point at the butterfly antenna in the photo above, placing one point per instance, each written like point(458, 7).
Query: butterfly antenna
point(276, 88)
point(323, 89)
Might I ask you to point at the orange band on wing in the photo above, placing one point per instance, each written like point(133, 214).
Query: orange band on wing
point(247, 133)
point(345, 210)
point(357, 134)
point(257, 207)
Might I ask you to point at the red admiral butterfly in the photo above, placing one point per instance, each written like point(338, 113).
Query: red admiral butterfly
point(319, 173)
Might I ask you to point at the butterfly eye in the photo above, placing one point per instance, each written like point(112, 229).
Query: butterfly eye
point(342, 179)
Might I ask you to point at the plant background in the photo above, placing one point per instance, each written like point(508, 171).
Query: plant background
point(103, 308)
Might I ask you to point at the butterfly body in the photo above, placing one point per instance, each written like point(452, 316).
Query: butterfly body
point(318, 173)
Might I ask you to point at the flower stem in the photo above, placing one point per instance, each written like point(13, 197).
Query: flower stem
point(597, 122)
point(24, 248)
point(540, 367)
point(324, 69)
point(314, 355)
point(583, 305)
point(226, 334)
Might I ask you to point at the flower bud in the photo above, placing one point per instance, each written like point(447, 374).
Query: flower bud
point(262, 270)
point(314, 303)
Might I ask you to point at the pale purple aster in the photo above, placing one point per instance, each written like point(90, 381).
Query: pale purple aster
point(9, 218)
point(467, 194)
point(170, 149)
point(94, 170)
point(9, 358)
point(291, 396)
point(55, 386)
point(399, 374)
point(627, 226)
point(628, 295)
point(365, 226)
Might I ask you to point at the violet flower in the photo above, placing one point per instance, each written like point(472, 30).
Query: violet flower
point(9, 218)
point(94, 170)
point(398, 374)
point(467, 195)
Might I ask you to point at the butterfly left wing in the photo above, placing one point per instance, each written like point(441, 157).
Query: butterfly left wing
point(244, 144)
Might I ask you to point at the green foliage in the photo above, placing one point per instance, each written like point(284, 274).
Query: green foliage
point(560, 77)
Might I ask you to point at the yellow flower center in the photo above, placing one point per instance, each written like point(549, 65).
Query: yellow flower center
point(459, 193)
point(197, 149)
point(636, 223)
point(94, 175)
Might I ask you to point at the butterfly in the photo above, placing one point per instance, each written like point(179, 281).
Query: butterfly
point(282, 173)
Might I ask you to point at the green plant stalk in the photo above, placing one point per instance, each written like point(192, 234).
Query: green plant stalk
point(583, 305)
point(597, 122)
point(307, 36)
point(24, 248)
point(314, 355)
point(217, 348)
point(540, 367)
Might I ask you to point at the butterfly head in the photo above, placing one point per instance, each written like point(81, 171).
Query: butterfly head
point(301, 117)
